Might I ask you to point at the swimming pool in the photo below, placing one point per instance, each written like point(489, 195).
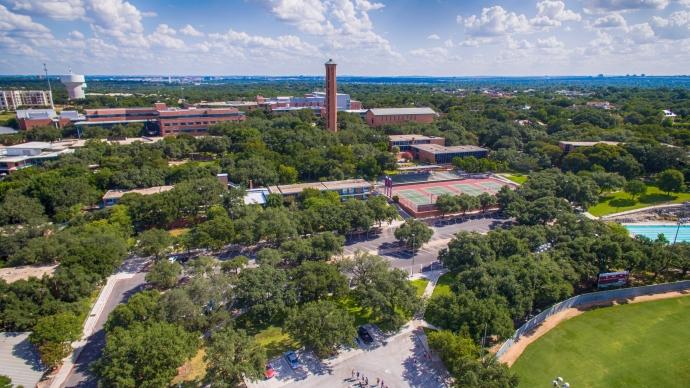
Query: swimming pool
point(669, 231)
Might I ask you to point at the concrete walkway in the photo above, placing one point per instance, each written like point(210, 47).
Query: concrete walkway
point(642, 209)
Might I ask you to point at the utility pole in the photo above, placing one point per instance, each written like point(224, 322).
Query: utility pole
point(681, 221)
point(413, 251)
point(50, 88)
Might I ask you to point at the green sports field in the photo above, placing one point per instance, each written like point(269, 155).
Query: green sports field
point(637, 345)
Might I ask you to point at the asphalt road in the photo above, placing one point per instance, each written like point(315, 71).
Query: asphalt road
point(385, 244)
point(80, 375)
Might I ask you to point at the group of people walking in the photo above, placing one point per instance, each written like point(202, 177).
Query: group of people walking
point(363, 381)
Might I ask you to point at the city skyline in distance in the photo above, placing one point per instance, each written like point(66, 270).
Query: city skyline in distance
point(366, 38)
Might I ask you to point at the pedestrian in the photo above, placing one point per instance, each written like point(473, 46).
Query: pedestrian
point(381, 383)
point(358, 374)
point(366, 381)
point(378, 380)
point(352, 374)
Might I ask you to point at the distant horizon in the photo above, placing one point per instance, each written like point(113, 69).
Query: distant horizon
point(601, 75)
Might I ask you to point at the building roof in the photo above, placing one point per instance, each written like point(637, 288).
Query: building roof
point(402, 111)
point(439, 149)
point(256, 196)
point(113, 194)
point(7, 130)
point(32, 145)
point(330, 185)
point(411, 137)
point(36, 114)
point(588, 143)
point(19, 359)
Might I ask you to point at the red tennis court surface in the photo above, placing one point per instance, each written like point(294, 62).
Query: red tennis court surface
point(421, 197)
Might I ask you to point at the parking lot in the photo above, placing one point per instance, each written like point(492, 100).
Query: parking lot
point(400, 360)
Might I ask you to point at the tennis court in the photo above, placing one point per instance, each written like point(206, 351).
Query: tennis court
point(426, 193)
point(422, 177)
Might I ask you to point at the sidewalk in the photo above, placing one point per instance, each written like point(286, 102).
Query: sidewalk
point(68, 362)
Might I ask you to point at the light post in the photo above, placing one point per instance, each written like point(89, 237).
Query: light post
point(681, 221)
point(412, 251)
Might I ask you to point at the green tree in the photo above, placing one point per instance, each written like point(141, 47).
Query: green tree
point(164, 274)
point(53, 335)
point(446, 203)
point(314, 280)
point(321, 326)
point(154, 242)
point(381, 211)
point(671, 180)
point(635, 188)
point(234, 265)
point(287, 174)
point(232, 355)
point(265, 292)
point(486, 200)
point(413, 234)
point(17, 208)
point(140, 308)
point(5, 382)
point(144, 355)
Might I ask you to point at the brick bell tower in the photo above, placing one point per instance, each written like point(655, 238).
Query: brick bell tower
point(331, 98)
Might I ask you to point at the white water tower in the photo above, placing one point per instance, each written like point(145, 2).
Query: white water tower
point(75, 84)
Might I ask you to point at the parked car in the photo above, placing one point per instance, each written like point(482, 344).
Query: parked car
point(269, 373)
point(364, 335)
point(292, 359)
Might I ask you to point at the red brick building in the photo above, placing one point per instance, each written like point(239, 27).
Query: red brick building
point(390, 116)
point(168, 121)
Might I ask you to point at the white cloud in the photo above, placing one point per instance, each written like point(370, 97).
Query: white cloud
point(552, 13)
point(495, 21)
point(623, 5)
point(11, 23)
point(54, 9)
point(675, 26)
point(550, 43)
point(342, 24)
point(164, 36)
point(448, 43)
point(285, 43)
point(76, 35)
point(189, 30)
point(433, 37)
point(614, 20)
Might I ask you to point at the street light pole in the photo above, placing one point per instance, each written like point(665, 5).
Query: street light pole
point(681, 221)
point(413, 251)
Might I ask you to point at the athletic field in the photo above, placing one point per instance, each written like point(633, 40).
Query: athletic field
point(637, 345)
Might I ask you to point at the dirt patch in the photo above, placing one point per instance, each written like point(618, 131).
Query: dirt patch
point(516, 350)
point(12, 274)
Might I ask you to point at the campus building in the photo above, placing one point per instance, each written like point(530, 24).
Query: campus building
point(112, 197)
point(377, 117)
point(405, 142)
point(163, 119)
point(439, 154)
point(32, 118)
point(346, 189)
point(568, 146)
point(13, 99)
point(16, 157)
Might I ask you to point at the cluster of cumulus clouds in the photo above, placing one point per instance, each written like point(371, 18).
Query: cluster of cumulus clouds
point(112, 32)
point(607, 30)
point(115, 32)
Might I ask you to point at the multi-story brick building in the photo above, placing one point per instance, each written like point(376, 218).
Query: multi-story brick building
point(390, 116)
point(13, 99)
point(438, 154)
point(32, 118)
point(167, 121)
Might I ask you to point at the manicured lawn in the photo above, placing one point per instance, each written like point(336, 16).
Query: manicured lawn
point(178, 232)
point(635, 345)
point(276, 341)
point(443, 285)
point(193, 369)
point(620, 201)
point(4, 116)
point(361, 314)
point(420, 285)
point(517, 178)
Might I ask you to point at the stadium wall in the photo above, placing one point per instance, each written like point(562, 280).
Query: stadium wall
point(591, 299)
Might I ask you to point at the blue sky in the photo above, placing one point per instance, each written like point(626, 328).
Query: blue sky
point(365, 37)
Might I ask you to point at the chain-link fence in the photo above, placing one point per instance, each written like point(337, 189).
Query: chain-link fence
point(593, 298)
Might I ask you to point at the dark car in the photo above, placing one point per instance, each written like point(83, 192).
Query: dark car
point(292, 359)
point(364, 335)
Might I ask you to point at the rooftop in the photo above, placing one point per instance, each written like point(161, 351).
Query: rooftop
point(36, 113)
point(411, 137)
point(439, 149)
point(330, 185)
point(402, 111)
point(111, 194)
point(588, 143)
point(19, 359)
